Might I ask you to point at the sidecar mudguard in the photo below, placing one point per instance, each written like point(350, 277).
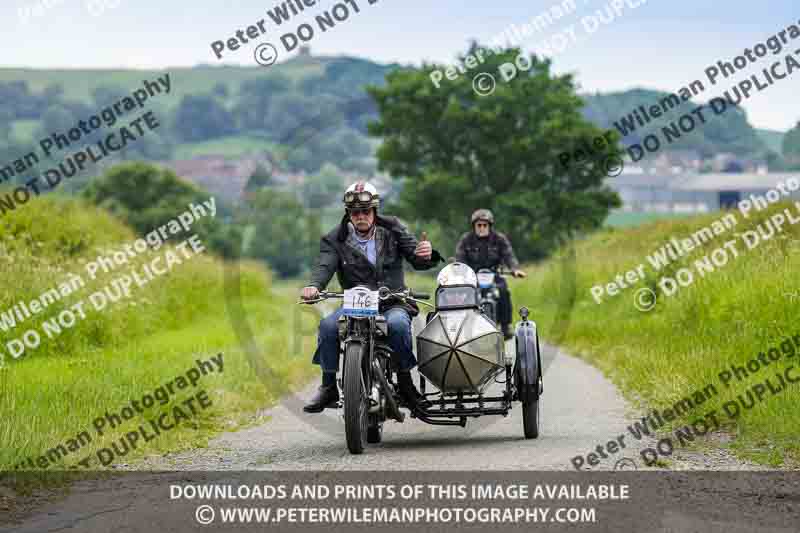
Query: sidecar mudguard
point(528, 365)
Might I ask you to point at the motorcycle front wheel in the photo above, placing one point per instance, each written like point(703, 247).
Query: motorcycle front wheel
point(356, 401)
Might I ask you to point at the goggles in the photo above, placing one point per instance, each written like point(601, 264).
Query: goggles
point(360, 197)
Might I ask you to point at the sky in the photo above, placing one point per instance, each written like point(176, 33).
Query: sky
point(656, 44)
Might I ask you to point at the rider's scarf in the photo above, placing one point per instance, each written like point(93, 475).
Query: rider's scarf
point(367, 245)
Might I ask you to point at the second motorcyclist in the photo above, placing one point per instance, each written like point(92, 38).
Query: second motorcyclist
point(483, 247)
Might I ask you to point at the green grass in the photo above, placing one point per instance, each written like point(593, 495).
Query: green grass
point(50, 394)
point(622, 219)
point(23, 130)
point(659, 357)
point(231, 147)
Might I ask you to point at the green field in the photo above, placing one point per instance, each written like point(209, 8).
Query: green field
point(78, 84)
point(659, 357)
point(113, 356)
point(622, 219)
point(230, 147)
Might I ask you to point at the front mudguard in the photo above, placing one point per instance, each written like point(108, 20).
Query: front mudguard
point(528, 365)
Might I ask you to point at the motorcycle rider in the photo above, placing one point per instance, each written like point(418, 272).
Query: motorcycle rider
point(367, 249)
point(483, 247)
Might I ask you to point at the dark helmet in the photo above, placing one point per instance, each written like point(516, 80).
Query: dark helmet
point(483, 214)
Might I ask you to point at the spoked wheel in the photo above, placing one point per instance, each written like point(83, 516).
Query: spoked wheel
point(356, 400)
point(530, 419)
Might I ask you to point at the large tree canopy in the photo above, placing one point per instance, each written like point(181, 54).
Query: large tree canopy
point(284, 234)
point(457, 151)
point(146, 197)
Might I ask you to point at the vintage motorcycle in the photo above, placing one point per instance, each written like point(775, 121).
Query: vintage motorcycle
point(460, 351)
point(489, 293)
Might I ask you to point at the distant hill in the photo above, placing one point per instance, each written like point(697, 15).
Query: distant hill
point(307, 111)
point(78, 84)
point(773, 139)
point(729, 132)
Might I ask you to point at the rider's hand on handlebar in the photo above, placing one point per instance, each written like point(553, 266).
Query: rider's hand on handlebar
point(310, 293)
point(519, 274)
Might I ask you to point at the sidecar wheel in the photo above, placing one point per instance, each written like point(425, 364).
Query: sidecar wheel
point(530, 419)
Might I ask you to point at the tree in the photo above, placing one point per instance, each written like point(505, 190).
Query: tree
point(220, 90)
point(57, 118)
point(146, 197)
point(106, 95)
point(202, 117)
point(260, 178)
point(293, 116)
point(323, 188)
point(791, 145)
point(255, 101)
point(6, 116)
point(52, 94)
point(17, 97)
point(285, 235)
point(457, 151)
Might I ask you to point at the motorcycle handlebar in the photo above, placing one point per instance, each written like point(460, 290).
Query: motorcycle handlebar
point(386, 293)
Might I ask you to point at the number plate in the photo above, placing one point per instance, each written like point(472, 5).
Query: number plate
point(485, 279)
point(360, 302)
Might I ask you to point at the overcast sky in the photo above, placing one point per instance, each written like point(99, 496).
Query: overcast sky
point(661, 44)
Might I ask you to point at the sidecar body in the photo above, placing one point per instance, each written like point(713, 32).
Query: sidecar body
point(461, 352)
point(460, 349)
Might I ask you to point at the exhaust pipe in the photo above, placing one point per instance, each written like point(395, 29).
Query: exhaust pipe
point(394, 409)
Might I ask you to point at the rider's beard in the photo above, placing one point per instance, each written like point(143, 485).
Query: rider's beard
point(363, 228)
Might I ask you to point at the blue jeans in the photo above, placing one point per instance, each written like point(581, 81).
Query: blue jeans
point(399, 324)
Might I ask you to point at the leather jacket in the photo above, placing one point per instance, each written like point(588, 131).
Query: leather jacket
point(340, 254)
point(486, 252)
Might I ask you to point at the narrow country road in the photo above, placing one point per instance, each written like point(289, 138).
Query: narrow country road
point(580, 409)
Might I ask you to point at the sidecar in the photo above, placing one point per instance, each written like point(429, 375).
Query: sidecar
point(462, 353)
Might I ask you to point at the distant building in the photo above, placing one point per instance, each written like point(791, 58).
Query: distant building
point(218, 175)
point(691, 193)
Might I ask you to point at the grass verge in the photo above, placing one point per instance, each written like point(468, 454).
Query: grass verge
point(136, 345)
point(724, 318)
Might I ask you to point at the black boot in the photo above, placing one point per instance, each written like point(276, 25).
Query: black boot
point(409, 394)
point(327, 396)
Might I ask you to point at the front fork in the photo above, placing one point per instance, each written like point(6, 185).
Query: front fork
point(376, 382)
